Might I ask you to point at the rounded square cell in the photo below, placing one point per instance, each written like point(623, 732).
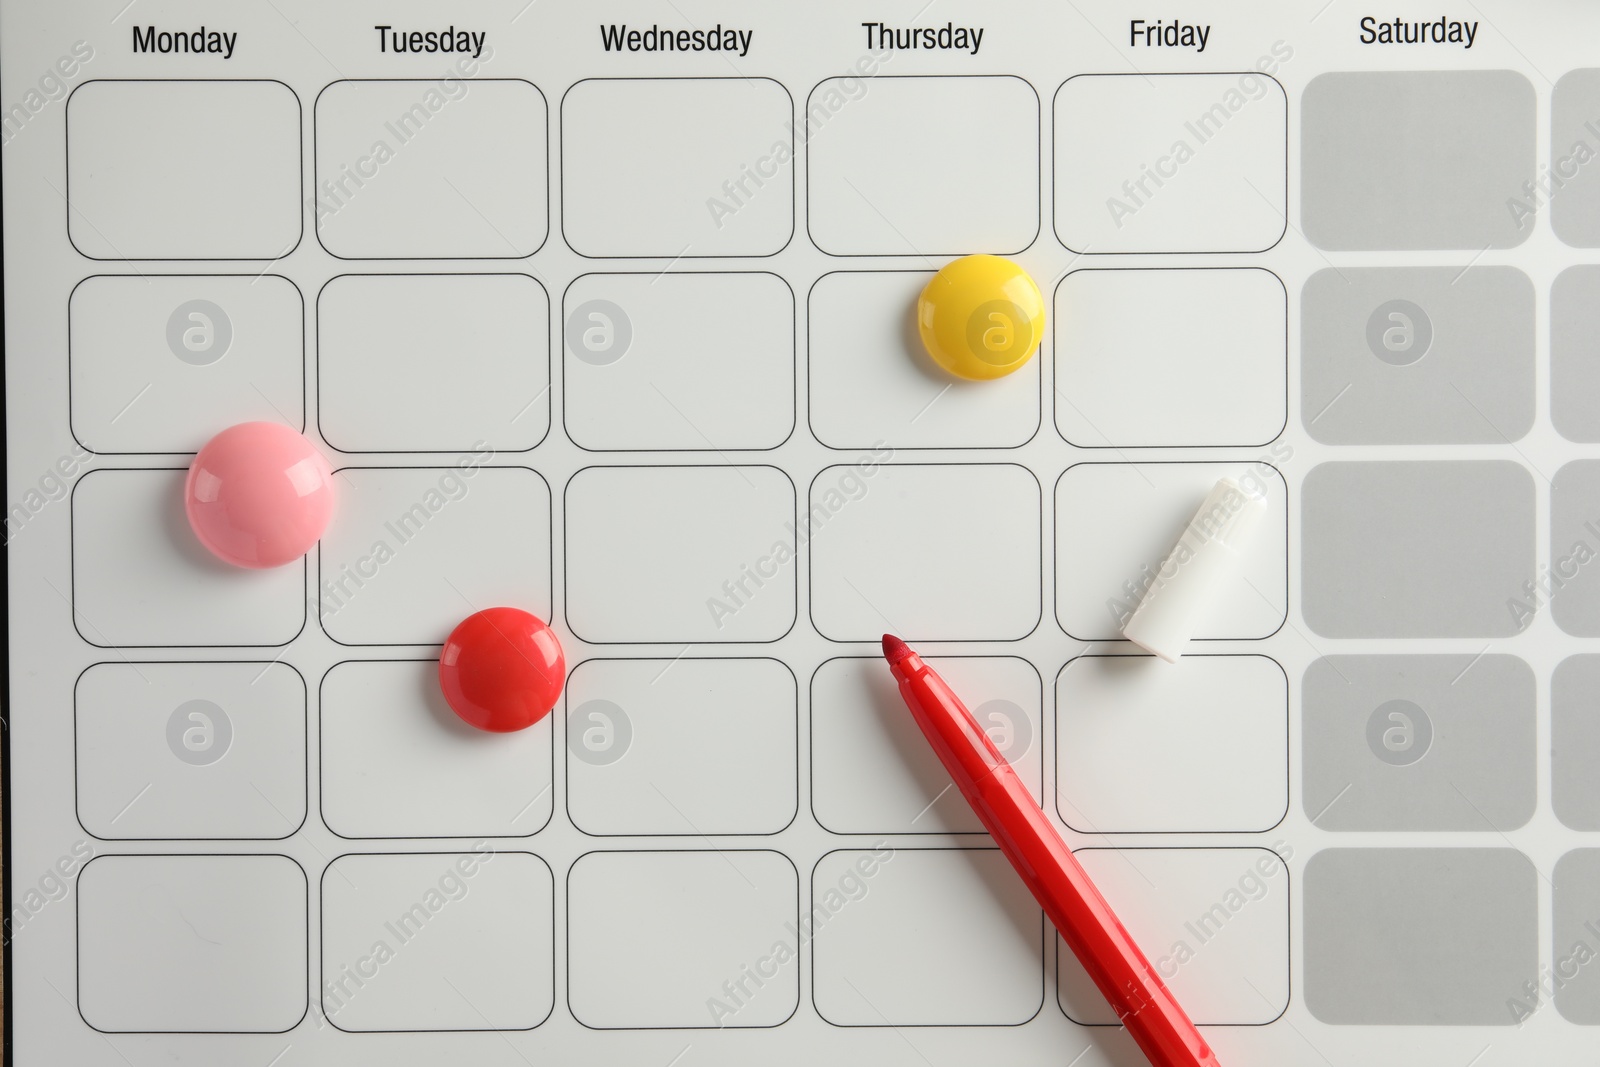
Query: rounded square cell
point(438, 941)
point(1198, 746)
point(872, 771)
point(1575, 354)
point(659, 746)
point(1367, 722)
point(1576, 885)
point(936, 552)
point(1117, 522)
point(871, 380)
point(1419, 936)
point(668, 940)
point(1417, 548)
point(414, 550)
point(1213, 921)
point(183, 169)
point(1171, 162)
point(694, 361)
point(1417, 159)
point(714, 560)
point(1417, 355)
point(677, 167)
point(165, 362)
point(140, 577)
point(192, 944)
point(450, 168)
point(924, 937)
point(1208, 369)
point(1575, 214)
point(922, 166)
point(190, 750)
point(1575, 742)
point(433, 362)
point(397, 762)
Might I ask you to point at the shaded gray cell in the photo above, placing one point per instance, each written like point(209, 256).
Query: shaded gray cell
point(1575, 158)
point(1424, 937)
point(1571, 585)
point(1575, 353)
point(1417, 159)
point(1417, 548)
point(1575, 959)
point(1575, 742)
point(1417, 355)
point(1418, 742)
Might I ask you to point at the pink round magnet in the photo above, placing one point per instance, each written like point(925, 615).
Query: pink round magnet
point(259, 495)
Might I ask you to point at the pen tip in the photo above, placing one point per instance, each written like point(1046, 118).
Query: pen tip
point(894, 649)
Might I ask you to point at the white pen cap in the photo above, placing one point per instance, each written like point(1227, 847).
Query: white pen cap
point(1185, 587)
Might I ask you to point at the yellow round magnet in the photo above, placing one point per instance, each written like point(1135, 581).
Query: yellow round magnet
point(981, 317)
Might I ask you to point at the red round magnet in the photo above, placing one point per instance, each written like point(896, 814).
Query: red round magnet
point(502, 669)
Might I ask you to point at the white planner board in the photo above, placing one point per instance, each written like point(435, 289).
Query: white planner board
point(598, 321)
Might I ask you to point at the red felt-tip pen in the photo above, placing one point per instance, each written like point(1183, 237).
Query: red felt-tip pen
point(1057, 880)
